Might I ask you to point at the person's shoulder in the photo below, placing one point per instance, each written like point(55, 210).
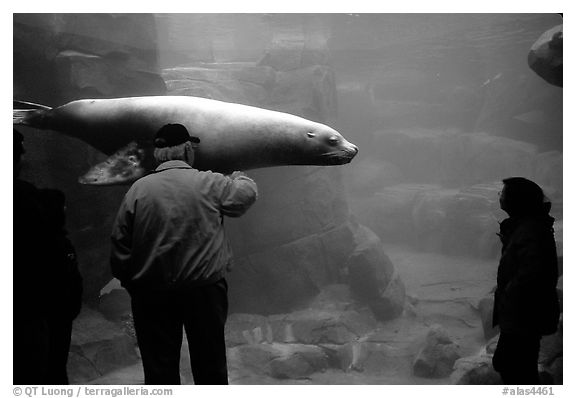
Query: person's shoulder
point(211, 175)
point(534, 228)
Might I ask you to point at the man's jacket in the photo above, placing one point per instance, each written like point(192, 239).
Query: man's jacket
point(169, 231)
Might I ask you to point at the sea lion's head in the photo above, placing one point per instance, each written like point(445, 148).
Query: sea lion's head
point(327, 147)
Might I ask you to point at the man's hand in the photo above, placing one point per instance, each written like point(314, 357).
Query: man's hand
point(237, 174)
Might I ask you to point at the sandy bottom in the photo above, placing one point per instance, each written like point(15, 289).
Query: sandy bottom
point(445, 290)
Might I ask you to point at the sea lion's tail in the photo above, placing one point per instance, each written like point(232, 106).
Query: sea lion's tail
point(25, 112)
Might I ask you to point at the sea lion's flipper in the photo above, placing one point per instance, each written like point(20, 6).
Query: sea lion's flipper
point(123, 167)
point(25, 112)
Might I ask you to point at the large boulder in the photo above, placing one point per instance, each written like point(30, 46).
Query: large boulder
point(247, 329)
point(115, 305)
point(98, 347)
point(475, 370)
point(456, 222)
point(280, 361)
point(110, 62)
point(437, 356)
point(421, 154)
point(243, 83)
point(314, 326)
point(545, 56)
point(473, 158)
point(295, 202)
point(369, 175)
point(109, 75)
point(372, 278)
point(288, 276)
point(453, 158)
point(309, 92)
point(548, 172)
point(389, 212)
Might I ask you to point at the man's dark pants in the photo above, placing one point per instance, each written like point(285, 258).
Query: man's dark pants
point(516, 358)
point(159, 318)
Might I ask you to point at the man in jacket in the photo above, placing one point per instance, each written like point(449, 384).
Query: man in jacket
point(526, 305)
point(170, 252)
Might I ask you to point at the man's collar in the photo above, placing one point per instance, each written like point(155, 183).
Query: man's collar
point(173, 164)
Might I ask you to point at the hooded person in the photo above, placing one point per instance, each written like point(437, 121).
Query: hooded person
point(526, 305)
point(169, 250)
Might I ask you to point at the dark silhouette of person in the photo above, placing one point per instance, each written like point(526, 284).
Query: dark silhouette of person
point(65, 281)
point(30, 275)
point(526, 305)
point(170, 252)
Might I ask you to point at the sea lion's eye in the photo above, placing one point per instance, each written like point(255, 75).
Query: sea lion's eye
point(311, 134)
point(333, 140)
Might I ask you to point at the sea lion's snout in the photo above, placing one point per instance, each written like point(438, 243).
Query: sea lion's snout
point(353, 150)
point(350, 151)
point(343, 155)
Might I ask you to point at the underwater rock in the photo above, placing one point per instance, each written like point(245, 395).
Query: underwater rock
point(313, 326)
point(285, 277)
point(370, 175)
point(368, 264)
point(455, 222)
point(299, 202)
point(371, 277)
point(282, 361)
point(508, 100)
point(475, 370)
point(551, 347)
point(233, 91)
point(389, 212)
point(217, 73)
point(298, 362)
point(437, 356)
point(546, 56)
point(292, 53)
point(420, 154)
point(548, 172)
point(238, 82)
point(115, 305)
point(80, 369)
point(454, 159)
point(473, 158)
point(247, 329)
point(430, 217)
point(372, 354)
point(557, 370)
point(310, 92)
point(491, 345)
point(486, 308)
point(112, 63)
point(86, 56)
point(107, 75)
point(336, 297)
point(102, 346)
point(391, 302)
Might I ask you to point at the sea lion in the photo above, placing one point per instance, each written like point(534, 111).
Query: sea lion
point(232, 136)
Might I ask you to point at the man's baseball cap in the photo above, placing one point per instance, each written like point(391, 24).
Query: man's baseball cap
point(173, 134)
